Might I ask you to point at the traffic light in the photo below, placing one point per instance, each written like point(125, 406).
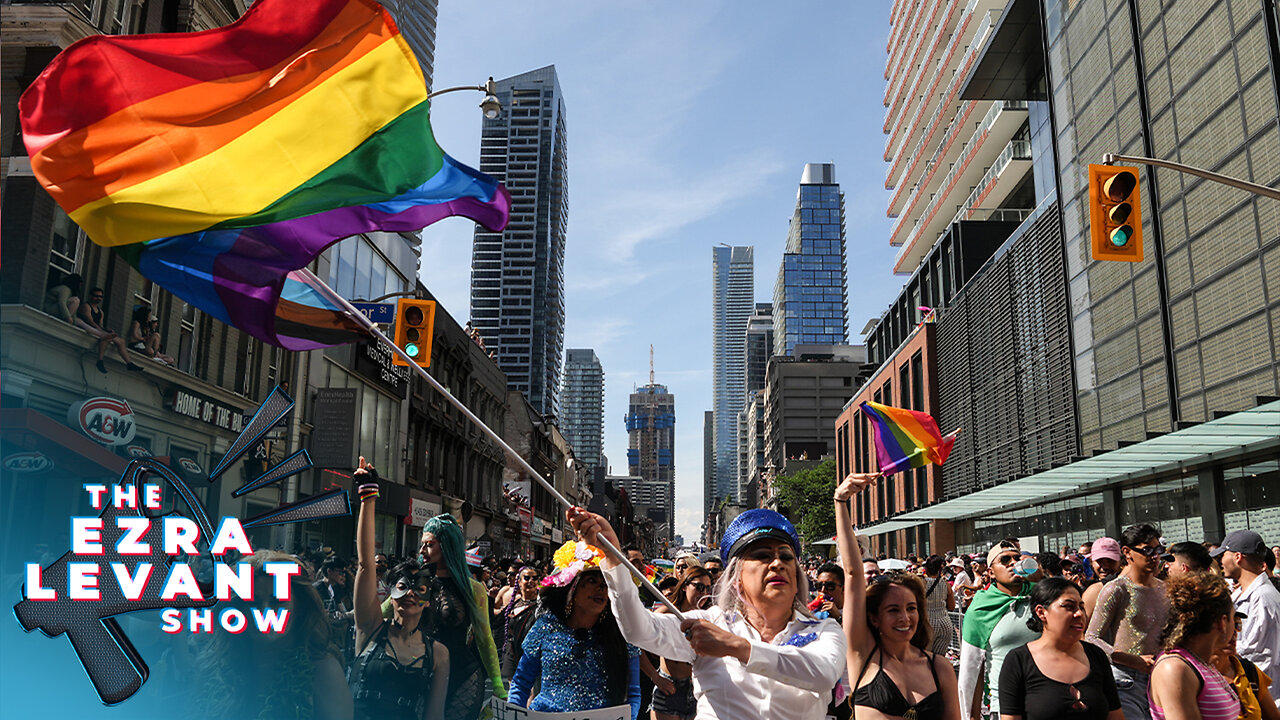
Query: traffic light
point(415, 320)
point(1115, 213)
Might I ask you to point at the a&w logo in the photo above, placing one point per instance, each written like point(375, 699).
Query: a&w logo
point(107, 420)
point(27, 462)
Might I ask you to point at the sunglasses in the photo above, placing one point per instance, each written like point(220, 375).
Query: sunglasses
point(1149, 552)
point(701, 587)
point(827, 586)
point(681, 566)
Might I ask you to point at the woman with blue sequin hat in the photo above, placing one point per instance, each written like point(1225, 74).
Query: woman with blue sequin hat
point(757, 652)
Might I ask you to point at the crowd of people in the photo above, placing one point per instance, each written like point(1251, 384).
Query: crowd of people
point(1118, 628)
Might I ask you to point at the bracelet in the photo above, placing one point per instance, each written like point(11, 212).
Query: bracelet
point(368, 491)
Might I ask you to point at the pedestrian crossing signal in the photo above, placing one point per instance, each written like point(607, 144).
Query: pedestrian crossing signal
point(415, 320)
point(1115, 213)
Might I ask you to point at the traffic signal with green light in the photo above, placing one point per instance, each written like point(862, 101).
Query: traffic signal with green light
point(1115, 213)
point(415, 320)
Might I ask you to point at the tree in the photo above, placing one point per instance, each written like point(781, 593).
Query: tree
point(805, 498)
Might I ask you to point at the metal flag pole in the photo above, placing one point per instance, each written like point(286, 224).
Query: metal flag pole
point(378, 335)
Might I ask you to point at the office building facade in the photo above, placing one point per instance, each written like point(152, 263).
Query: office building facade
point(803, 395)
point(651, 444)
point(517, 276)
point(1143, 391)
point(732, 304)
point(582, 405)
point(810, 296)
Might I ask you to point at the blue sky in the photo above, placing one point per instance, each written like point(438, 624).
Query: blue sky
point(688, 125)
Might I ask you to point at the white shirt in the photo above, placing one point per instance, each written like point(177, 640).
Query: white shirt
point(790, 678)
point(1259, 637)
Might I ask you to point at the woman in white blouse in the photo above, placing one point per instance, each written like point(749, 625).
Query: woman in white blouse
point(758, 652)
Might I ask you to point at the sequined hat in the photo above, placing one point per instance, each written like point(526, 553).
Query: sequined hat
point(754, 525)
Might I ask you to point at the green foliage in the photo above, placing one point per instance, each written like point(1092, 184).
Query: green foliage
point(805, 498)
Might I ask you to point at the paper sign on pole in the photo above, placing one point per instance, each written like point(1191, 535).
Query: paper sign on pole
point(503, 710)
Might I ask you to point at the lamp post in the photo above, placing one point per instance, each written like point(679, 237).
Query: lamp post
point(490, 105)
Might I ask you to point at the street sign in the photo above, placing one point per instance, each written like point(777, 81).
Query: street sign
point(379, 313)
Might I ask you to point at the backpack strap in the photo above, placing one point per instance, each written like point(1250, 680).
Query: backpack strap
point(1251, 672)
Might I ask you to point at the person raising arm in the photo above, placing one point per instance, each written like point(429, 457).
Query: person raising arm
point(757, 652)
point(887, 631)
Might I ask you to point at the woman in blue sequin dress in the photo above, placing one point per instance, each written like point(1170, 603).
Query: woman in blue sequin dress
point(575, 650)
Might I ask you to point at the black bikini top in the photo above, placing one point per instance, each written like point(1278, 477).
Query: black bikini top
point(883, 694)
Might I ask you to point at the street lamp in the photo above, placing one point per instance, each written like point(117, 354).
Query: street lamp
point(490, 105)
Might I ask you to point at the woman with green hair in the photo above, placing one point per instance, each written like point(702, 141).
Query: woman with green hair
point(458, 615)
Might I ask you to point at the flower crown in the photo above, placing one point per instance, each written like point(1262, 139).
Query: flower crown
point(571, 559)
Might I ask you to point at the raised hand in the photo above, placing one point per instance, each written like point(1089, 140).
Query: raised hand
point(364, 468)
point(853, 483)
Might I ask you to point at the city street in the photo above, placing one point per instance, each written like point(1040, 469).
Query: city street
point(420, 359)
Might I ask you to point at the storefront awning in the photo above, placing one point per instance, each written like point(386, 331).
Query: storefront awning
point(1235, 434)
point(880, 528)
point(69, 451)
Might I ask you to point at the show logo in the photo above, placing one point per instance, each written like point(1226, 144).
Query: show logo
point(130, 557)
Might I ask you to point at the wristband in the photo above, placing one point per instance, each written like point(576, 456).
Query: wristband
point(368, 491)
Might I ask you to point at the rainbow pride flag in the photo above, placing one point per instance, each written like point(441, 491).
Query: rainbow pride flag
point(220, 162)
point(906, 438)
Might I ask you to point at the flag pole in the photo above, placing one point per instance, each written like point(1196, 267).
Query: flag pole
point(381, 337)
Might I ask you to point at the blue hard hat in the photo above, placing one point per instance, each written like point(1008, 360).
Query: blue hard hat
point(754, 525)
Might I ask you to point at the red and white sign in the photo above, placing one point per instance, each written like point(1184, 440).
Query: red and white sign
point(107, 420)
point(27, 462)
point(190, 466)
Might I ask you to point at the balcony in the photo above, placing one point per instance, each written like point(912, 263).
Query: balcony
point(1002, 177)
point(981, 150)
point(930, 61)
point(991, 189)
point(936, 107)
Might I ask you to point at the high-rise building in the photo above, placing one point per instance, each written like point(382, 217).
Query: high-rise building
point(417, 22)
point(732, 301)
point(810, 296)
point(582, 405)
point(758, 349)
point(708, 461)
point(1093, 394)
point(517, 276)
point(651, 431)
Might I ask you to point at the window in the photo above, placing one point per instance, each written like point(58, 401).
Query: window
point(64, 253)
point(187, 337)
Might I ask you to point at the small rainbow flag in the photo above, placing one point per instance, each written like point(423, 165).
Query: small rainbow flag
point(906, 438)
point(219, 162)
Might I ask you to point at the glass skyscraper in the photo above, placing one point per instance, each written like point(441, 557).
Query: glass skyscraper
point(810, 297)
point(732, 301)
point(517, 276)
point(582, 405)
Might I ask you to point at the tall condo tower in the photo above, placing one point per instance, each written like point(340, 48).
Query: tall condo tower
point(810, 297)
point(758, 347)
point(651, 431)
point(517, 276)
point(582, 405)
point(732, 301)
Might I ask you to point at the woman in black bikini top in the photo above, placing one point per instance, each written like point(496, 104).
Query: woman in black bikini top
point(883, 694)
point(888, 624)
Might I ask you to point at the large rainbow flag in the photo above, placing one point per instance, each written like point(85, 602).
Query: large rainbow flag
point(220, 162)
point(906, 438)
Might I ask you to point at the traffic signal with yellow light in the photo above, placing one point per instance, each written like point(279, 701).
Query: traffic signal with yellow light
point(1115, 213)
point(415, 320)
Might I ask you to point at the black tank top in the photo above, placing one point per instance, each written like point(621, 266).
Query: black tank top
point(883, 694)
point(382, 687)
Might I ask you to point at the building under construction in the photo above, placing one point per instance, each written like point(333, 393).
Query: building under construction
point(651, 428)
